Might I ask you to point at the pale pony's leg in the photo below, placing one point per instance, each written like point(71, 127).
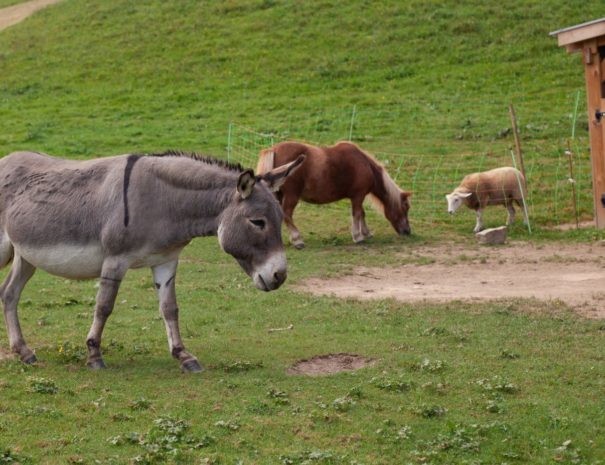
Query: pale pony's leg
point(358, 226)
point(288, 204)
point(164, 277)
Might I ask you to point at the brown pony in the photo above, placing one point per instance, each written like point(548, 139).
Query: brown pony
point(328, 174)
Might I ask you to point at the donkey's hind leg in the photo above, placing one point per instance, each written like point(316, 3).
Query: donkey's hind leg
point(10, 292)
point(164, 279)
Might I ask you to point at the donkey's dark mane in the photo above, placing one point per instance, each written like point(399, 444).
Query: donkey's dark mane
point(201, 158)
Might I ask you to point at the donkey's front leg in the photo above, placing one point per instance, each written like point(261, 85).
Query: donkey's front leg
point(164, 279)
point(111, 276)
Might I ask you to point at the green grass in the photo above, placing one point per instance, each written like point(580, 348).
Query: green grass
point(496, 382)
point(5, 3)
point(459, 357)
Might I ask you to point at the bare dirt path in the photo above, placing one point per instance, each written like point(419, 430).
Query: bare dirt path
point(572, 273)
point(12, 15)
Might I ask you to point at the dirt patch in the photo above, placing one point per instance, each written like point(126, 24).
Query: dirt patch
point(322, 365)
point(572, 273)
point(12, 15)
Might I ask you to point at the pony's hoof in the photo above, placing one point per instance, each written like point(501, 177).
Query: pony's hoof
point(97, 364)
point(29, 359)
point(191, 366)
point(299, 245)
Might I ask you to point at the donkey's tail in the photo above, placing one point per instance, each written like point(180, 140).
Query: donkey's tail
point(266, 160)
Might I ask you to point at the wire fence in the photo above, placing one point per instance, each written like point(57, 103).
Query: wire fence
point(428, 147)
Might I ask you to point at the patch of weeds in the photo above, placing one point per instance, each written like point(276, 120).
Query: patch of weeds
point(239, 366)
point(355, 392)
point(41, 411)
point(228, 425)
point(494, 406)
point(261, 408)
point(509, 355)
point(429, 411)
point(8, 456)
point(343, 404)
point(393, 385)
point(43, 385)
point(568, 453)
point(435, 331)
point(498, 384)
point(555, 422)
point(279, 397)
point(140, 404)
point(119, 417)
point(458, 438)
point(435, 388)
point(308, 457)
point(166, 441)
point(71, 353)
point(431, 366)
point(393, 434)
point(128, 438)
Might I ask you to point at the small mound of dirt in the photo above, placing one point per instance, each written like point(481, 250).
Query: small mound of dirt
point(322, 365)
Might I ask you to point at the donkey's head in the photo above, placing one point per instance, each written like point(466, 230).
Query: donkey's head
point(250, 227)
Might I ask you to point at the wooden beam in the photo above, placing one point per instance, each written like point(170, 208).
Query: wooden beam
point(592, 72)
point(581, 34)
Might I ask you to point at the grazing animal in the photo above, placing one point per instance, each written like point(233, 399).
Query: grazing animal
point(500, 186)
point(328, 174)
point(98, 218)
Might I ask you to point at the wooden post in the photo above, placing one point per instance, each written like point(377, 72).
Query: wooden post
point(592, 68)
point(589, 39)
point(513, 119)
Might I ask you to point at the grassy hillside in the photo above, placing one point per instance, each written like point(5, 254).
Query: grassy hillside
point(423, 84)
point(429, 82)
point(87, 77)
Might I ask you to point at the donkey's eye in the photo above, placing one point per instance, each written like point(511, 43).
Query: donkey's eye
point(258, 223)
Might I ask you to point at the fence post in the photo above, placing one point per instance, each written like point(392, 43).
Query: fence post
point(513, 119)
point(522, 192)
point(229, 142)
point(353, 114)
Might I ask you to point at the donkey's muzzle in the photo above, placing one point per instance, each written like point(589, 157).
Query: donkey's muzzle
point(272, 273)
point(270, 283)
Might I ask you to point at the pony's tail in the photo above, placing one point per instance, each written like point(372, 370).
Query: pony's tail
point(266, 160)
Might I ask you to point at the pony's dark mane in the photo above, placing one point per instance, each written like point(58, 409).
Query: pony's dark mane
point(201, 158)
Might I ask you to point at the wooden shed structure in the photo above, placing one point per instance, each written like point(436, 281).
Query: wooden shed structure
point(589, 39)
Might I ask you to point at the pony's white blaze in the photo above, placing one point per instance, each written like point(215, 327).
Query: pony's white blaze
point(265, 275)
point(66, 260)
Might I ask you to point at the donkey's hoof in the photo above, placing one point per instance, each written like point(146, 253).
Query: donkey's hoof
point(97, 364)
point(29, 359)
point(191, 366)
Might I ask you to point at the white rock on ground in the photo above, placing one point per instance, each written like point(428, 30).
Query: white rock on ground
point(492, 236)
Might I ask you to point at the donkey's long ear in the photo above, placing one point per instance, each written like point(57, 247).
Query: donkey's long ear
point(245, 183)
point(275, 178)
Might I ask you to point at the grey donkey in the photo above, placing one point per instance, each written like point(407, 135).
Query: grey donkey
point(98, 218)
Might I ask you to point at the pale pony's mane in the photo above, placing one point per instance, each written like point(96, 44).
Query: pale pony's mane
point(393, 191)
